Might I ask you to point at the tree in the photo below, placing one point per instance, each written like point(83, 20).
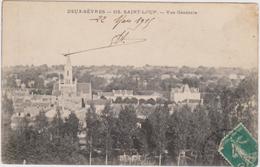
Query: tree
point(126, 124)
point(169, 83)
point(178, 130)
point(140, 143)
point(119, 100)
point(7, 112)
point(60, 145)
point(245, 108)
point(103, 97)
point(7, 135)
point(192, 82)
point(52, 75)
point(124, 82)
point(21, 146)
point(146, 136)
point(92, 124)
point(199, 130)
point(108, 124)
point(127, 100)
point(160, 101)
point(159, 120)
point(7, 105)
point(42, 140)
point(98, 82)
point(151, 101)
point(83, 105)
point(57, 124)
point(72, 126)
point(142, 101)
point(134, 100)
point(216, 132)
point(41, 122)
point(224, 82)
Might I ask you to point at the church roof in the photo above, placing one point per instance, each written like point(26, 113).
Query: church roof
point(185, 88)
point(84, 87)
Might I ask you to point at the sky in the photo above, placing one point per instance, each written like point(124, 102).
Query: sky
point(218, 35)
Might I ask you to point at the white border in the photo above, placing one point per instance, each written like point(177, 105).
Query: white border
point(192, 1)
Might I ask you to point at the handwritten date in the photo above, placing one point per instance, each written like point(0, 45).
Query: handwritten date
point(132, 24)
point(123, 19)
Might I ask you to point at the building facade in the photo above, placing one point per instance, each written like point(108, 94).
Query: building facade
point(185, 94)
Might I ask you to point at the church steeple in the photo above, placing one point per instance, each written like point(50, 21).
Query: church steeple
point(68, 78)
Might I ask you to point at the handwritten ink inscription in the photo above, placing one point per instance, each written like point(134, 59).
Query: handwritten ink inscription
point(143, 22)
point(123, 39)
point(128, 26)
point(140, 21)
point(125, 25)
point(100, 19)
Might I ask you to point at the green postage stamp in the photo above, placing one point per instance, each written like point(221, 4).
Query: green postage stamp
point(239, 148)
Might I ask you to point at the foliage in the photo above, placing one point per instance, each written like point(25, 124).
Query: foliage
point(192, 82)
point(197, 129)
point(126, 124)
point(159, 121)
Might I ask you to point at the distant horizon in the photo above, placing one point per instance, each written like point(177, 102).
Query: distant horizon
point(136, 66)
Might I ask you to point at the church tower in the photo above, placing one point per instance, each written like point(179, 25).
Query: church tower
point(68, 87)
point(68, 78)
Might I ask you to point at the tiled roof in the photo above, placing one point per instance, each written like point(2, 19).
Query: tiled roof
point(185, 88)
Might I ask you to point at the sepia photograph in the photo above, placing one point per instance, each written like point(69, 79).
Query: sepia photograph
point(129, 83)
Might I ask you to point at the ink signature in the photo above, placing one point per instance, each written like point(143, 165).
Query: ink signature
point(117, 40)
point(122, 38)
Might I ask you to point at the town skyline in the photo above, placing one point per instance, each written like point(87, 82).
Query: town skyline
point(128, 65)
point(77, 61)
point(82, 102)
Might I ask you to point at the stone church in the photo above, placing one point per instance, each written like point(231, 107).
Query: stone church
point(69, 87)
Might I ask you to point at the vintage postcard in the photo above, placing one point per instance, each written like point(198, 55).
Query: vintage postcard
point(129, 83)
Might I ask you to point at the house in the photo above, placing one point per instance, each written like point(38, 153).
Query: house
point(123, 93)
point(18, 82)
point(129, 94)
point(236, 77)
point(165, 76)
point(186, 95)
